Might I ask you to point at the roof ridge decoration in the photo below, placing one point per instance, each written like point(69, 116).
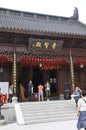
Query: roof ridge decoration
point(75, 14)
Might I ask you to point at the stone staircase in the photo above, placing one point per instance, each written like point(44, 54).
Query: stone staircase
point(46, 111)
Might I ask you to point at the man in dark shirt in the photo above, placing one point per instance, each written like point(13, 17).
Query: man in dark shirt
point(30, 90)
point(66, 89)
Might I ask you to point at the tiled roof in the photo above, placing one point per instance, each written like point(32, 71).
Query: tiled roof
point(12, 19)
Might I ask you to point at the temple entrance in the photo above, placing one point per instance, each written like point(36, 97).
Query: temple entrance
point(37, 78)
point(31, 73)
point(38, 75)
point(53, 82)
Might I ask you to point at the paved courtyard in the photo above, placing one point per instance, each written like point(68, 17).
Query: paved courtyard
point(63, 125)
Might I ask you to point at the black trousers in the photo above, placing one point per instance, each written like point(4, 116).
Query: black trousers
point(29, 95)
point(10, 98)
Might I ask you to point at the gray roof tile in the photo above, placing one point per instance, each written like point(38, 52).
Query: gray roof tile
point(32, 22)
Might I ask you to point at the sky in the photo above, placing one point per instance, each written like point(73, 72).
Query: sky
point(51, 7)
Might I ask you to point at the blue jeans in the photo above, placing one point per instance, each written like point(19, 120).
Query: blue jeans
point(40, 96)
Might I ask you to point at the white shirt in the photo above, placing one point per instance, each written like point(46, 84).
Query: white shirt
point(47, 85)
point(11, 89)
point(82, 104)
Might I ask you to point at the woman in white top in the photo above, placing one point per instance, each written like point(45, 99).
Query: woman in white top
point(81, 111)
point(10, 93)
point(47, 90)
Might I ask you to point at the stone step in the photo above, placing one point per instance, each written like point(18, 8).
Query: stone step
point(47, 111)
point(49, 115)
point(47, 104)
point(45, 120)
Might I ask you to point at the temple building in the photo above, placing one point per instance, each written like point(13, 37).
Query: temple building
point(42, 48)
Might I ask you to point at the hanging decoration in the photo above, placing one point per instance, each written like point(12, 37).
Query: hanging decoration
point(44, 63)
point(80, 61)
point(4, 59)
point(14, 71)
point(72, 71)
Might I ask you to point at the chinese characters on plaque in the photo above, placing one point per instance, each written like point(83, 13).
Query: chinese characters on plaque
point(45, 43)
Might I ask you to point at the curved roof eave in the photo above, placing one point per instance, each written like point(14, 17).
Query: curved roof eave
point(43, 33)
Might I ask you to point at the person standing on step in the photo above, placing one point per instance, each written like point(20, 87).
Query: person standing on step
point(66, 90)
point(81, 111)
point(22, 92)
point(10, 93)
point(47, 90)
point(30, 90)
point(40, 92)
point(76, 94)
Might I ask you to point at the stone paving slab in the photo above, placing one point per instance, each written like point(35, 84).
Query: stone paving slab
point(63, 125)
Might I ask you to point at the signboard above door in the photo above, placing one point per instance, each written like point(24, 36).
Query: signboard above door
point(45, 44)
